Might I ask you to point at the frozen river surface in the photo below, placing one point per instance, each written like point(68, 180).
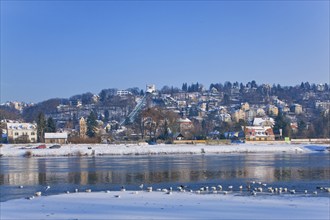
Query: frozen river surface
point(294, 171)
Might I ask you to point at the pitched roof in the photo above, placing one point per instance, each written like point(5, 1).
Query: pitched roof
point(56, 135)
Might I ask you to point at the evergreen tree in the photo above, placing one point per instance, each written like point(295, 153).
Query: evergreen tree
point(103, 96)
point(226, 99)
point(51, 126)
point(301, 128)
point(1, 132)
point(41, 126)
point(106, 116)
point(282, 123)
point(184, 87)
point(91, 124)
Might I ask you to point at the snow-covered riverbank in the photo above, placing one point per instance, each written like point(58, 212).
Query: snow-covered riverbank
point(8, 150)
point(159, 205)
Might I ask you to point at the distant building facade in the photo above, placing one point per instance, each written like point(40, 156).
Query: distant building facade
point(123, 92)
point(297, 109)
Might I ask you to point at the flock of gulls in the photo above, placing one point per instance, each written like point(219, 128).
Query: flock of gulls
point(252, 188)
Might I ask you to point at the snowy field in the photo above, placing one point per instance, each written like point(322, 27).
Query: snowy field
point(160, 205)
point(145, 149)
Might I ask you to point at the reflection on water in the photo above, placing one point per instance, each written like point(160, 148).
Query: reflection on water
point(303, 170)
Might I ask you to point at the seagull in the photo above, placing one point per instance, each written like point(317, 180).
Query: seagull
point(21, 187)
point(141, 186)
point(149, 188)
point(183, 187)
point(47, 188)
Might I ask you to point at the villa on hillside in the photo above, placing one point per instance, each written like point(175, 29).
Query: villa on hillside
point(186, 126)
point(259, 133)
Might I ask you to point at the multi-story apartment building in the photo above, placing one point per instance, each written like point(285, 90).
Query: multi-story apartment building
point(21, 132)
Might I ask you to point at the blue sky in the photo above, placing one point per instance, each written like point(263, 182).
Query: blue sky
point(62, 48)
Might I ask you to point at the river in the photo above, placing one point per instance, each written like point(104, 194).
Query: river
point(294, 171)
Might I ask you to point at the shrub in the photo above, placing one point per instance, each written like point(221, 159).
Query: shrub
point(28, 154)
point(79, 140)
point(80, 154)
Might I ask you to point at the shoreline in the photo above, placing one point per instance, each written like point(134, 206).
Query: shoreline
point(19, 150)
point(162, 205)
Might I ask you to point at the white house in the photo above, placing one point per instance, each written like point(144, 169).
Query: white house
point(58, 138)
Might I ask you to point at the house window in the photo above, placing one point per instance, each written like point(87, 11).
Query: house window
point(32, 133)
point(16, 133)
